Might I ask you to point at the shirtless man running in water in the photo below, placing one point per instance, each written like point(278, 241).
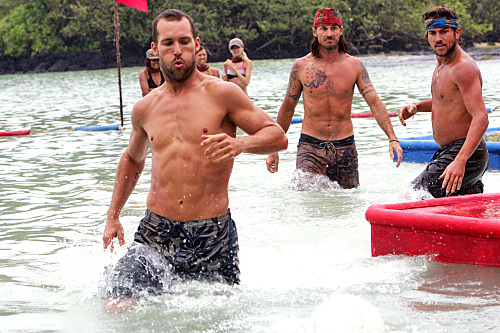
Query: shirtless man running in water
point(190, 124)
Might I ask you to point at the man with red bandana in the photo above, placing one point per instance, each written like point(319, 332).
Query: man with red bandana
point(459, 116)
point(326, 77)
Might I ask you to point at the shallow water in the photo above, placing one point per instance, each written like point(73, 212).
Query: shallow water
point(297, 247)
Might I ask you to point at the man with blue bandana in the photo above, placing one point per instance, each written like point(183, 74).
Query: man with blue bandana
point(459, 116)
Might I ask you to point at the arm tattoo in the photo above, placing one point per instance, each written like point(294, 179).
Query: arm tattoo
point(136, 176)
point(292, 82)
point(318, 77)
point(365, 90)
point(365, 77)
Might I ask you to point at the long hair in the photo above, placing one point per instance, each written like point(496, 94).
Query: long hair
point(171, 15)
point(316, 47)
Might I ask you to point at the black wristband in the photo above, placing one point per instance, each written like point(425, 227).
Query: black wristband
point(393, 141)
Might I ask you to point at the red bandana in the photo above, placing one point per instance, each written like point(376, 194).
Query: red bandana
point(236, 59)
point(327, 16)
point(153, 70)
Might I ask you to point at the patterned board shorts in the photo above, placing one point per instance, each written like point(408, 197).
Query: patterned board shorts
point(475, 167)
point(205, 250)
point(337, 159)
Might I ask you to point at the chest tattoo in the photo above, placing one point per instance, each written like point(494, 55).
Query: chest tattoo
point(314, 77)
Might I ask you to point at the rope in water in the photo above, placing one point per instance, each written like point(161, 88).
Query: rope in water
point(78, 128)
point(295, 120)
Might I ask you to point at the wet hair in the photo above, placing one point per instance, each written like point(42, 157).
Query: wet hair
point(316, 46)
point(441, 11)
point(171, 15)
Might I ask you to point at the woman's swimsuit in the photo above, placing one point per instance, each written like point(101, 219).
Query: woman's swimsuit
point(242, 70)
point(152, 84)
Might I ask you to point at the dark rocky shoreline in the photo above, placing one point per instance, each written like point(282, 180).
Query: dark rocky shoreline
point(86, 60)
point(63, 62)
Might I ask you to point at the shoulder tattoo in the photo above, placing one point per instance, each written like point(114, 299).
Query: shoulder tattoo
point(292, 82)
point(315, 77)
point(365, 77)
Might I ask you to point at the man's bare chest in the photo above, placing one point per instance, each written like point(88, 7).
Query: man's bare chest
point(330, 81)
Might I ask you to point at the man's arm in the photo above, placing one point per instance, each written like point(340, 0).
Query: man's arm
point(293, 92)
point(367, 90)
point(128, 172)
point(287, 110)
point(468, 80)
point(265, 135)
point(410, 110)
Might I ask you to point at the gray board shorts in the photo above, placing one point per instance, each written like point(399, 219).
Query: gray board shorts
point(475, 167)
point(337, 159)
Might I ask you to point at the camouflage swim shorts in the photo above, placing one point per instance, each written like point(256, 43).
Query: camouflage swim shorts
point(195, 249)
point(204, 250)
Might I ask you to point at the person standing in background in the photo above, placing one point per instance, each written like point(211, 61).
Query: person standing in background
point(151, 77)
point(201, 63)
point(239, 68)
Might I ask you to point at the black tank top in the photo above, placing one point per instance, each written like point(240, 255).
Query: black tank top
point(152, 83)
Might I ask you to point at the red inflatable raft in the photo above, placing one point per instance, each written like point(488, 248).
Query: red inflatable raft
point(463, 229)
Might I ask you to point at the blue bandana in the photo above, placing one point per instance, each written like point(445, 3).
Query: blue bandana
point(440, 23)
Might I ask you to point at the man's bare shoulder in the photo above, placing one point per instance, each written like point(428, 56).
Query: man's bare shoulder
point(307, 59)
point(466, 69)
point(351, 60)
point(215, 85)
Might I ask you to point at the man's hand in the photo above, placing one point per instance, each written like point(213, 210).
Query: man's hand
point(406, 112)
point(113, 229)
point(394, 147)
point(453, 175)
point(221, 147)
point(272, 163)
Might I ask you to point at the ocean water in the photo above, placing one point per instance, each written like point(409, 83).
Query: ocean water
point(298, 247)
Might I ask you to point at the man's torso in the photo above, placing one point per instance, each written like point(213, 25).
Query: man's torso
point(450, 118)
point(328, 89)
point(185, 184)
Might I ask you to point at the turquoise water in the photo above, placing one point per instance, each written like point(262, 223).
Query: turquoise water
point(297, 248)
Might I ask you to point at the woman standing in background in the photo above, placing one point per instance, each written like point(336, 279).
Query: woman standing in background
point(151, 77)
point(201, 63)
point(239, 68)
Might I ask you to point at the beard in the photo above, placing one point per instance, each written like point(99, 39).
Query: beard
point(330, 47)
point(178, 76)
point(449, 51)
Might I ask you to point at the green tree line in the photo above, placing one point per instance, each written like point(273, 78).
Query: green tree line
point(269, 28)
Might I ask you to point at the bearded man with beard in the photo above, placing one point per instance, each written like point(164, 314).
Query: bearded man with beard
point(459, 116)
point(190, 124)
point(326, 77)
